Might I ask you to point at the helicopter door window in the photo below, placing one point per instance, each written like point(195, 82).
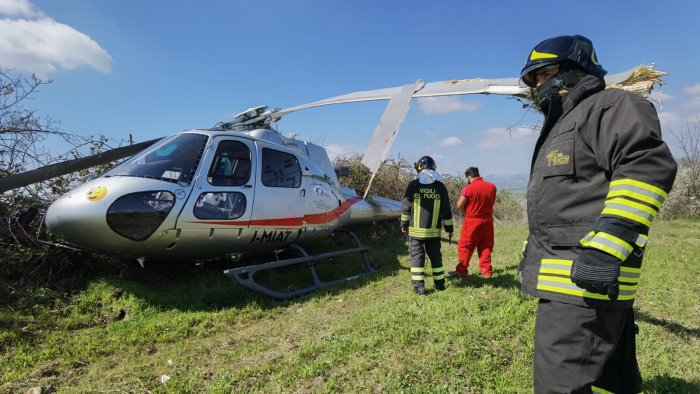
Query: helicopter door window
point(280, 169)
point(231, 165)
point(222, 206)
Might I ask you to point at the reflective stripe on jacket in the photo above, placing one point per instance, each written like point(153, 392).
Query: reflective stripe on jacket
point(425, 209)
point(604, 157)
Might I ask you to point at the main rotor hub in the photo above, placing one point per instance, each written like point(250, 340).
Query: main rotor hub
point(250, 119)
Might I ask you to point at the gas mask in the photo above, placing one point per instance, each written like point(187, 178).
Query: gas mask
point(550, 92)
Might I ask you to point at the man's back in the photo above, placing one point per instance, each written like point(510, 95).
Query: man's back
point(481, 196)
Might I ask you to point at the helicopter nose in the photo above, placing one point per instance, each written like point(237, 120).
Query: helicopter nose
point(88, 219)
point(78, 220)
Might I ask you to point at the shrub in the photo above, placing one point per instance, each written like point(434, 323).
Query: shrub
point(684, 199)
point(390, 181)
point(394, 175)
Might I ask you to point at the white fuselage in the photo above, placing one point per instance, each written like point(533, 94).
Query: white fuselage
point(205, 194)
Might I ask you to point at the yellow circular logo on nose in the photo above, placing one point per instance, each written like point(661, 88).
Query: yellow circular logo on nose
point(96, 193)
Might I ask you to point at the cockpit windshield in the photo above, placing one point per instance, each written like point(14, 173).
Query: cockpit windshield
point(174, 159)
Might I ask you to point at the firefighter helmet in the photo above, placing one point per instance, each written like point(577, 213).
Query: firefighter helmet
point(573, 49)
point(425, 162)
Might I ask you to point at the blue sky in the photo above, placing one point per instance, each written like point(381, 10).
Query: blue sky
point(150, 68)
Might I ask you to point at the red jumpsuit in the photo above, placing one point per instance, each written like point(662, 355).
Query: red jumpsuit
point(477, 227)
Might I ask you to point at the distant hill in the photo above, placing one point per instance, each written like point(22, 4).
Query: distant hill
point(515, 184)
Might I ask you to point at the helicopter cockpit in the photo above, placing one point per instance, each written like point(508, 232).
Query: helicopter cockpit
point(173, 160)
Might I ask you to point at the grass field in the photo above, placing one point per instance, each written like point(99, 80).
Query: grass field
point(128, 331)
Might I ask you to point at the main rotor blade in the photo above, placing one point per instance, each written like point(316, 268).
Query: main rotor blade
point(504, 86)
point(51, 171)
point(501, 86)
point(388, 129)
point(369, 95)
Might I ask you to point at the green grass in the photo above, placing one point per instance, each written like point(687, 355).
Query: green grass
point(124, 331)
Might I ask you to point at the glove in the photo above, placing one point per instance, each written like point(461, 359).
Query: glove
point(597, 272)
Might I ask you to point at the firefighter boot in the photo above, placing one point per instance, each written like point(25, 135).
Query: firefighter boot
point(440, 285)
point(419, 287)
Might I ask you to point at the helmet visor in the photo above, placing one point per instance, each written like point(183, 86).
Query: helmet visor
point(540, 74)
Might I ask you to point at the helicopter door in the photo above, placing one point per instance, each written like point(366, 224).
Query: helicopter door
point(280, 203)
point(223, 195)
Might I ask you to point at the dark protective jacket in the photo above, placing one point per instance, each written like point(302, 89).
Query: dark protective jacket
point(603, 158)
point(425, 208)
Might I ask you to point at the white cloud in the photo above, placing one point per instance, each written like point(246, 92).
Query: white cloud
point(444, 105)
point(693, 103)
point(692, 90)
point(18, 8)
point(35, 43)
point(670, 121)
point(450, 141)
point(659, 96)
point(335, 150)
point(495, 137)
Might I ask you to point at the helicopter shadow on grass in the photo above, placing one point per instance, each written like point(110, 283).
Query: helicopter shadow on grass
point(204, 287)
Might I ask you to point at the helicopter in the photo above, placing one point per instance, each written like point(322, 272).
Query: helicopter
point(241, 187)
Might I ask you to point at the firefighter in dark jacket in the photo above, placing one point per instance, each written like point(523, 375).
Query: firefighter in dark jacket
point(599, 175)
point(425, 208)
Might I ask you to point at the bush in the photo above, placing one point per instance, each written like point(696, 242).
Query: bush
point(684, 200)
point(26, 142)
point(508, 208)
point(394, 175)
point(390, 181)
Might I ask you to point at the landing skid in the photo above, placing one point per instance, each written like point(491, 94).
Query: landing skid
point(245, 275)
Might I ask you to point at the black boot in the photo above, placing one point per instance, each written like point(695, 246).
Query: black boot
point(440, 285)
point(419, 289)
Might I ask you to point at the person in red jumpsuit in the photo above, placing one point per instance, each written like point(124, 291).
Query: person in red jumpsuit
point(477, 199)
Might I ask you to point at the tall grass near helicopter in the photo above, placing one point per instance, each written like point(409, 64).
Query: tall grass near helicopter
point(192, 331)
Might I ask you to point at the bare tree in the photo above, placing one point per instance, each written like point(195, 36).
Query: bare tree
point(688, 139)
point(684, 199)
point(25, 137)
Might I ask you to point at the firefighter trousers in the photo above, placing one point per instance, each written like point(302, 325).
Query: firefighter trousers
point(585, 350)
point(418, 248)
point(477, 233)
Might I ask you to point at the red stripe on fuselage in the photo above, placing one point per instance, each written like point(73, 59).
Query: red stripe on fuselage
point(316, 218)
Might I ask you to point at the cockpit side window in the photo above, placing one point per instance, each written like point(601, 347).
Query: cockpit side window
point(280, 169)
point(231, 164)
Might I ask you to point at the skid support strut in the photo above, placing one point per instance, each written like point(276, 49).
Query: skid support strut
point(245, 275)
